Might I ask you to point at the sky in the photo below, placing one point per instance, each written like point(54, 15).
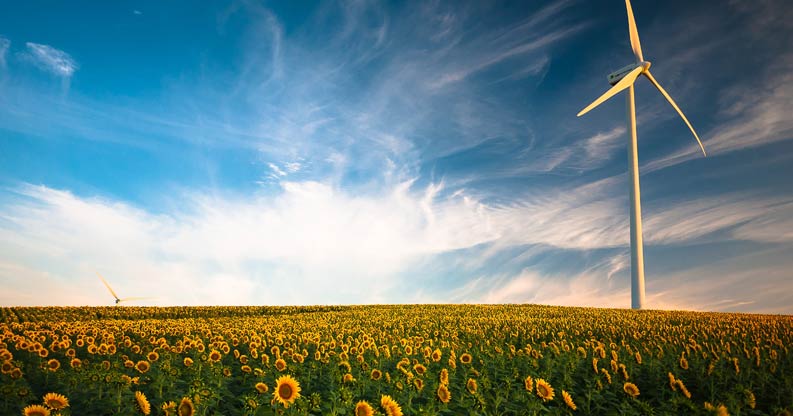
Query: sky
point(359, 152)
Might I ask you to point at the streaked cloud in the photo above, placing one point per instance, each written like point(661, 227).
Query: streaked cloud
point(5, 44)
point(51, 59)
point(750, 116)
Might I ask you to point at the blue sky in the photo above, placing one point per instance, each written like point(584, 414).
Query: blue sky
point(369, 152)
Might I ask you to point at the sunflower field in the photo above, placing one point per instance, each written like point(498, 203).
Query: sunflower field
point(392, 360)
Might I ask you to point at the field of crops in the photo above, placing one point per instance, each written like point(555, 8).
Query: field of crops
point(392, 360)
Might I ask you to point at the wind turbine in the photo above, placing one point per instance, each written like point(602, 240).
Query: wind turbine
point(620, 80)
point(118, 300)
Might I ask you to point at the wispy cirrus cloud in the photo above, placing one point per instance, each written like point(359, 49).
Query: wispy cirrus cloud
point(747, 282)
point(5, 44)
point(749, 116)
point(50, 59)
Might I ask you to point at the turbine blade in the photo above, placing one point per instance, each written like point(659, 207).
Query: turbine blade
point(671, 101)
point(134, 298)
point(625, 82)
point(107, 285)
point(634, 33)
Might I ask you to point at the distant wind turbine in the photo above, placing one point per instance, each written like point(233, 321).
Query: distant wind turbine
point(118, 300)
point(620, 80)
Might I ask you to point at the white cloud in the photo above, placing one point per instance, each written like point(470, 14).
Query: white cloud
point(5, 44)
point(751, 115)
point(310, 244)
point(313, 243)
point(757, 282)
point(50, 59)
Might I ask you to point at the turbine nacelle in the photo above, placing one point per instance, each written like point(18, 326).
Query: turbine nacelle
point(619, 74)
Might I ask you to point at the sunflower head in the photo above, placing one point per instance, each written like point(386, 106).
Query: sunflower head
point(443, 394)
point(471, 386)
point(55, 401)
point(630, 389)
point(466, 358)
point(390, 406)
point(544, 390)
point(143, 403)
point(53, 365)
point(286, 390)
point(376, 374)
point(169, 408)
point(568, 400)
point(36, 410)
point(186, 407)
point(142, 366)
point(444, 377)
point(363, 408)
point(528, 383)
point(261, 387)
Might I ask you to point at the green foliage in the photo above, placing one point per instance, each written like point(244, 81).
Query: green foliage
point(215, 356)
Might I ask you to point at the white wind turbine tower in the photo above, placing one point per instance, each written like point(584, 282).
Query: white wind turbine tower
point(620, 80)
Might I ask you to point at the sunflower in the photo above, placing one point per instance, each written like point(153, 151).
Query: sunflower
point(672, 380)
point(528, 383)
point(720, 410)
point(6, 367)
point(142, 366)
point(568, 400)
point(466, 358)
point(287, 390)
point(143, 403)
point(363, 408)
point(544, 390)
point(261, 387)
point(471, 386)
point(419, 383)
point(55, 401)
point(683, 389)
point(153, 356)
point(444, 377)
point(75, 363)
point(169, 408)
point(630, 389)
point(436, 355)
point(420, 369)
point(443, 394)
point(390, 406)
point(36, 410)
point(348, 378)
point(376, 374)
point(186, 407)
point(606, 374)
point(595, 365)
point(215, 356)
point(750, 400)
point(280, 364)
point(246, 369)
point(53, 365)
point(188, 361)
